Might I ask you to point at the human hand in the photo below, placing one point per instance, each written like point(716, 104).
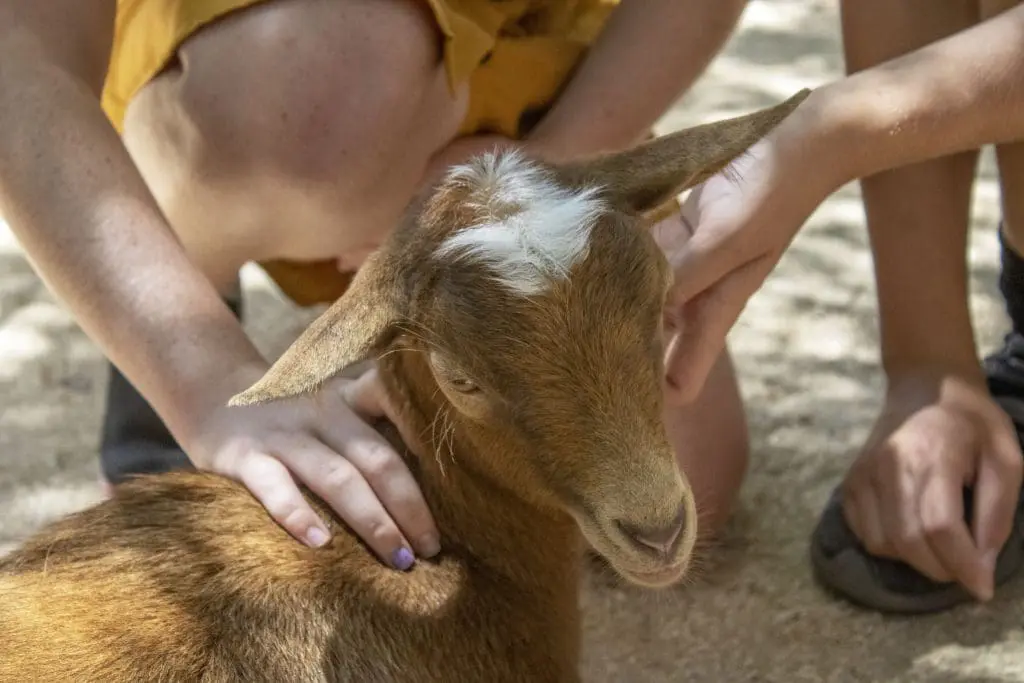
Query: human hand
point(323, 440)
point(903, 496)
point(742, 220)
point(367, 396)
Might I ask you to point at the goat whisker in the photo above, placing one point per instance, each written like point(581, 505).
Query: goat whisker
point(448, 432)
point(434, 443)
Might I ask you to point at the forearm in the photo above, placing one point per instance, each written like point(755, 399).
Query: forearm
point(954, 95)
point(948, 98)
point(648, 54)
point(77, 204)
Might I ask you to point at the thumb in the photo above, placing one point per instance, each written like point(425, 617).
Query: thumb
point(707, 254)
point(369, 400)
point(693, 349)
point(702, 324)
point(996, 491)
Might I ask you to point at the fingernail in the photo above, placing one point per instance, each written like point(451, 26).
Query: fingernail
point(987, 589)
point(402, 559)
point(316, 536)
point(430, 545)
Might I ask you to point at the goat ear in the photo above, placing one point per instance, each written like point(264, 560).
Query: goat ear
point(648, 175)
point(357, 326)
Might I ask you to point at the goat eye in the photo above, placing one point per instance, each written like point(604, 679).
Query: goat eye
point(464, 385)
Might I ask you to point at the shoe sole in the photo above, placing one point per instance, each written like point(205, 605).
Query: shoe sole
point(849, 575)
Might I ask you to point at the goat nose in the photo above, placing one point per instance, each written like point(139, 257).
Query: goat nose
point(663, 540)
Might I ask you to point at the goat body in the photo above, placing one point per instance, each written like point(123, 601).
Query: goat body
point(184, 577)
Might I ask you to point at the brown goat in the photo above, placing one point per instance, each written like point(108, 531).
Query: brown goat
point(526, 301)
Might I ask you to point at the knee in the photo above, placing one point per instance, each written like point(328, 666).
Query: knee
point(318, 91)
point(719, 491)
point(712, 444)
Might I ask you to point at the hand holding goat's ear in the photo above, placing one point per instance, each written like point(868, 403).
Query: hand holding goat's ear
point(742, 221)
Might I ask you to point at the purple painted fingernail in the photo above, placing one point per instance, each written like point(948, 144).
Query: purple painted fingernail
point(402, 559)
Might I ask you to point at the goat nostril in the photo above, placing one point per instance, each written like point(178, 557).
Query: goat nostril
point(663, 540)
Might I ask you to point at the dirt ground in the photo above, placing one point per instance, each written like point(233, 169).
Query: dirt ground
point(807, 357)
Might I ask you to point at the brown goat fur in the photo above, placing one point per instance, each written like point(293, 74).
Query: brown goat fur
point(541, 415)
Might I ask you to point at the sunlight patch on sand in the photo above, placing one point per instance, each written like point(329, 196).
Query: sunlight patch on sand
point(991, 662)
point(23, 340)
point(31, 507)
point(8, 244)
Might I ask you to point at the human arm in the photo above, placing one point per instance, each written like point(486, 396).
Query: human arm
point(940, 430)
point(648, 54)
point(957, 94)
point(665, 45)
point(93, 232)
point(88, 223)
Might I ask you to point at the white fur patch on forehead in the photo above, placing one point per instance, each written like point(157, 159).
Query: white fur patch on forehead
point(532, 230)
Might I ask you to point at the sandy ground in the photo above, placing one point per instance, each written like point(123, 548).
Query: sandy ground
point(806, 351)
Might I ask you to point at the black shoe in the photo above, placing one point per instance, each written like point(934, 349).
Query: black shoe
point(134, 439)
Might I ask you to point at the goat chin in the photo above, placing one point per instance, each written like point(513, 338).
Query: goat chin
point(637, 565)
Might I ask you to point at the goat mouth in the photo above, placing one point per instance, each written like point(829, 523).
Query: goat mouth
point(623, 560)
point(659, 578)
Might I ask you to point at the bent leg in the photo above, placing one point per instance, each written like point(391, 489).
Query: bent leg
point(1003, 372)
point(1010, 159)
point(1005, 379)
point(916, 214)
point(712, 445)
